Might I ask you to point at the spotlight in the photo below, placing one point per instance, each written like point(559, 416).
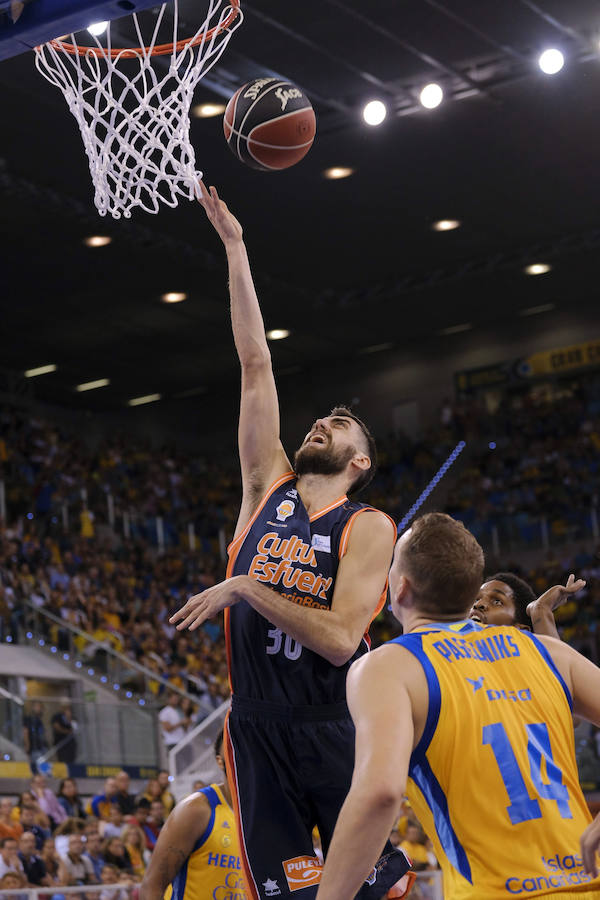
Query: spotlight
point(97, 240)
point(446, 225)
point(431, 96)
point(551, 61)
point(337, 172)
point(537, 269)
point(97, 28)
point(374, 112)
point(173, 297)
point(208, 110)
point(277, 334)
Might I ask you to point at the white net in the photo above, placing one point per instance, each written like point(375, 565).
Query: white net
point(132, 107)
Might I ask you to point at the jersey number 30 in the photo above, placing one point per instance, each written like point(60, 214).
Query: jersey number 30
point(291, 648)
point(522, 807)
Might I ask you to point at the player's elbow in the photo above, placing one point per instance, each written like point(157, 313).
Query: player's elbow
point(255, 363)
point(341, 651)
point(386, 796)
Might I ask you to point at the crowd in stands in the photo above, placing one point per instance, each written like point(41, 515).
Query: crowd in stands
point(57, 840)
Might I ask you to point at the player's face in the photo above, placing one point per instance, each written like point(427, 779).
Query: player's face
point(328, 447)
point(495, 605)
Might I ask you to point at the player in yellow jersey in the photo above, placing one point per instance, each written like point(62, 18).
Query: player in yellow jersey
point(474, 722)
point(197, 855)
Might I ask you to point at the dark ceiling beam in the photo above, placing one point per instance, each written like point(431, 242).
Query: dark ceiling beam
point(468, 26)
point(425, 58)
point(317, 48)
point(551, 20)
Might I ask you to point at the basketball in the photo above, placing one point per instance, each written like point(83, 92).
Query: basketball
point(269, 124)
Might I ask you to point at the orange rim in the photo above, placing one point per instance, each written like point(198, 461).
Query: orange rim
point(159, 50)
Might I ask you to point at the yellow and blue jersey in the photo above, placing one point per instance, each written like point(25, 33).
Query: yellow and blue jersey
point(213, 868)
point(493, 779)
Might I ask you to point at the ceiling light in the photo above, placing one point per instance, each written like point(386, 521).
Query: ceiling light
point(338, 172)
point(277, 334)
point(97, 28)
point(537, 269)
point(173, 297)
point(208, 110)
point(431, 96)
point(139, 401)
point(456, 329)
point(534, 310)
point(97, 240)
point(551, 61)
point(446, 225)
point(41, 370)
point(92, 385)
point(374, 112)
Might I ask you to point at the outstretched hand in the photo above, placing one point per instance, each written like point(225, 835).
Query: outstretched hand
point(208, 604)
point(223, 221)
point(555, 597)
point(590, 844)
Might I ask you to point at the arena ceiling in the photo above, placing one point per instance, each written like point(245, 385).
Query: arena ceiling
point(347, 265)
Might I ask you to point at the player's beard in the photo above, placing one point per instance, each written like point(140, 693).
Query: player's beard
point(315, 459)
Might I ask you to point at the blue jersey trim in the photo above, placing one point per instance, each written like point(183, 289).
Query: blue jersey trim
point(214, 800)
point(551, 664)
point(179, 882)
point(413, 643)
point(424, 778)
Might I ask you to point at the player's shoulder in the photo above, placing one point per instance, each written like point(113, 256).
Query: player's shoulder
point(370, 525)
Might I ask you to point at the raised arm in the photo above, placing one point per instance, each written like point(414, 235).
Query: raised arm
point(187, 822)
point(541, 611)
point(262, 457)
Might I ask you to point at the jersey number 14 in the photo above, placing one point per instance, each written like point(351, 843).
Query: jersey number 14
point(522, 807)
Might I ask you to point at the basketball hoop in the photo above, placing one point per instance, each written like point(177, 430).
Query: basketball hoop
point(133, 117)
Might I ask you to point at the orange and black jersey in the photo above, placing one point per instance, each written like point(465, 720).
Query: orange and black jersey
point(298, 556)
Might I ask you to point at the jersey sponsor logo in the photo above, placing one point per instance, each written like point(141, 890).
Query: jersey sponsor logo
point(271, 888)
point(476, 685)
point(293, 493)
point(484, 649)
point(224, 861)
point(273, 564)
point(515, 696)
point(321, 543)
point(560, 875)
point(285, 510)
point(233, 889)
point(302, 872)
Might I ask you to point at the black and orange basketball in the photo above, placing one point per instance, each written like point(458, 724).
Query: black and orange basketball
point(269, 124)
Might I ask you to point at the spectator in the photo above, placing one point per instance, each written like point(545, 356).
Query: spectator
point(114, 826)
point(28, 824)
point(35, 742)
point(156, 819)
point(47, 801)
point(39, 816)
point(414, 846)
point(68, 797)
point(140, 819)
point(63, 834)
point(135, 844)
point(55, 868)
point(172, 721)
point(152, 791)
point(33, 865)
point(78, 867)
point(110, 876)
point(114, 852)
point(101, 805)
point(124, 800)
point(94, 853)
point(13, 881)
point(8, 826)
point(168, 800)
point(63, 733)
point(9, 856)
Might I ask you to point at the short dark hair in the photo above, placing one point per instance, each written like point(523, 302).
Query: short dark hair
point(218, 744)
point(142, 803)
point(7, 838)
point(444, 564)
point(364, 478)
point(522, 593)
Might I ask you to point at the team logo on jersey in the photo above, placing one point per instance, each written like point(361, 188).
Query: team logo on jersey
point(321, 542)
point(371, 877)
point(285, 510)
point(271, 888)
point(476, 685)
point(226, 840)
point(302, 872)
